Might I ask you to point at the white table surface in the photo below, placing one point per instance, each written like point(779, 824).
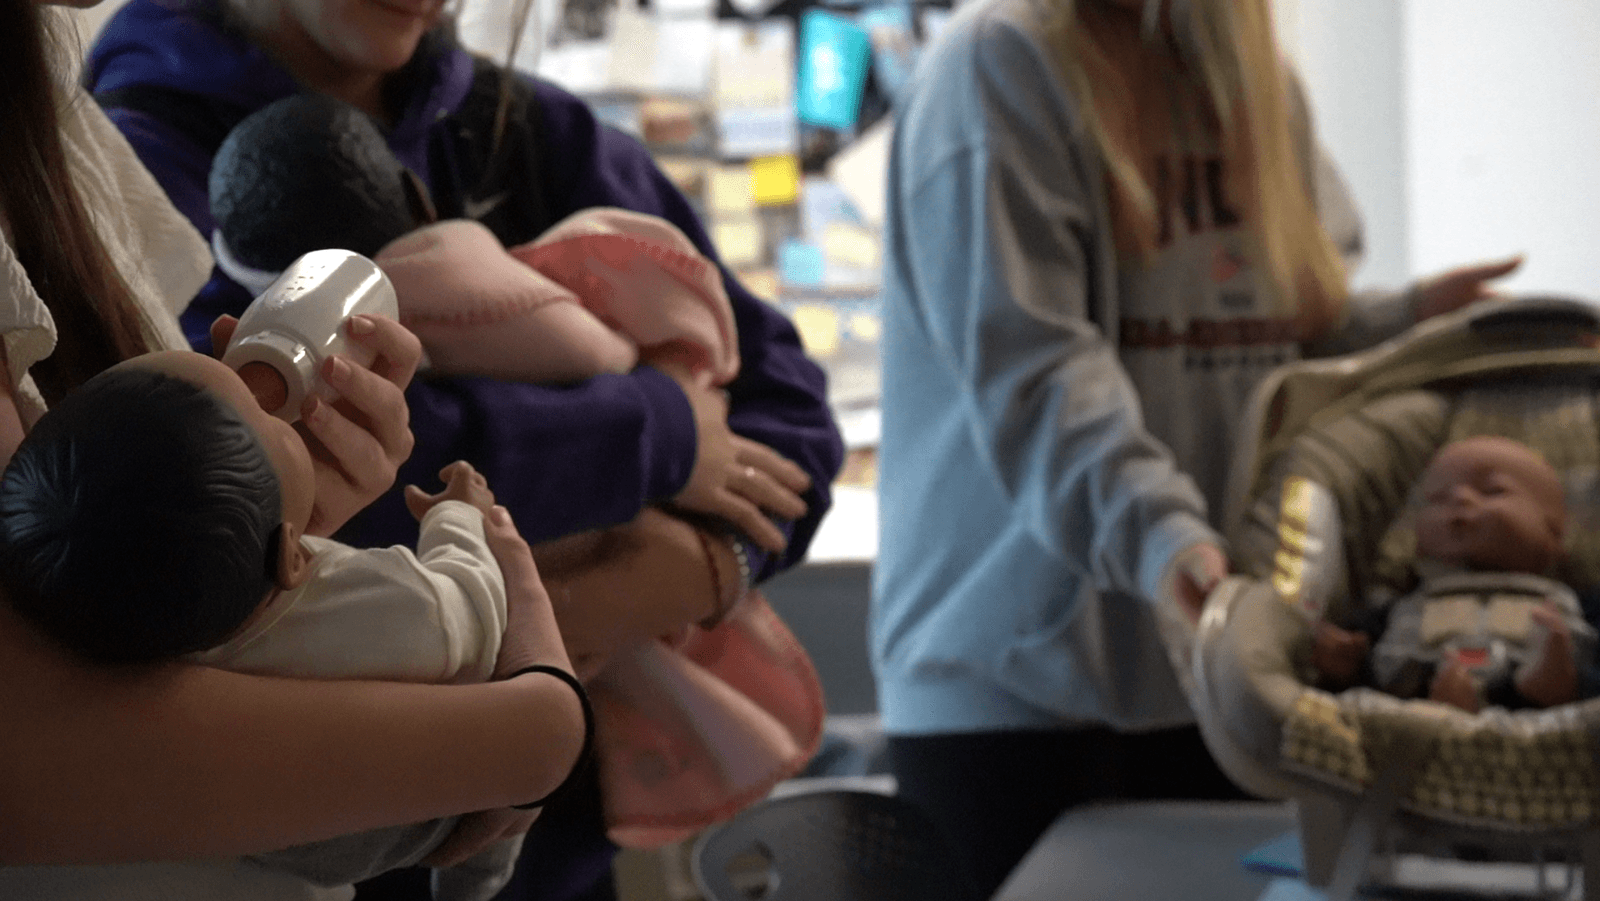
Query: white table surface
point(1150, 851)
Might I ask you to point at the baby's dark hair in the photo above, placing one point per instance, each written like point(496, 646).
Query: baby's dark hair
point(309, 172)
point(139, 520)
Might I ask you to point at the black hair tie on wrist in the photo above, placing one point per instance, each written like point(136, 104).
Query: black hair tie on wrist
point(585, 753)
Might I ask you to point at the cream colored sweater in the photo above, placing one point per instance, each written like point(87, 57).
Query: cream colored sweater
point(162, 257)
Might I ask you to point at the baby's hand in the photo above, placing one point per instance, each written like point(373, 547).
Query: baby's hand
point(462, 483)
point(1337, 654)
point(1455, 686)
point(1551, 678)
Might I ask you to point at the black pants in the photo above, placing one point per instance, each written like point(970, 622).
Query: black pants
point(994, 793)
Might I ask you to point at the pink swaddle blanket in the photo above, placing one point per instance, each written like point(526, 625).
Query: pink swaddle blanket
point(688, 731)
point(581, 300)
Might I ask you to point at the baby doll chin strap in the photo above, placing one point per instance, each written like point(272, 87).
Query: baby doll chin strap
point(586, 753)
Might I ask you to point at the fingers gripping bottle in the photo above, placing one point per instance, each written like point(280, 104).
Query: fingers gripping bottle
point(288, 332)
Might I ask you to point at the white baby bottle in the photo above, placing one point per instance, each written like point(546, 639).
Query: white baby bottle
point(288, 332)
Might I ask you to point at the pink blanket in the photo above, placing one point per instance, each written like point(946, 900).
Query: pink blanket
point(583, 299)
point(688, 731)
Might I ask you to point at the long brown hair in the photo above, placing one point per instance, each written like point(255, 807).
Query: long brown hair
point(96, 318)
point(1251, 97)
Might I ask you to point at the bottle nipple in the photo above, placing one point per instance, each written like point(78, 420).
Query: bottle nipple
point(267, 385)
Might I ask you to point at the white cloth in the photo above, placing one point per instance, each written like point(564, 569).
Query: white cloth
point(385, 613)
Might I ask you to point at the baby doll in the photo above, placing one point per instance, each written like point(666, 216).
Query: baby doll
point(1486, 626)
point(696, 725)
point(158, 512)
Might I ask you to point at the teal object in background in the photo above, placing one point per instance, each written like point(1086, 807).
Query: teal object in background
point(801, 264)
point(834, 56)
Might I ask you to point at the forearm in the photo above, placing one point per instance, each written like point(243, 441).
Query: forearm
point(1371, 317)
point(182, 761)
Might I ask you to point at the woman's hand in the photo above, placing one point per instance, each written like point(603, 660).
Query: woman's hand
point(650, 578)
point(1195, 573)
point(1455, 288)
point(531, 637)
point(735, 479)
point(358, 442)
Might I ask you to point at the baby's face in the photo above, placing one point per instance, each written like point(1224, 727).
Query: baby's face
point(1490, 503)
point(284, 446)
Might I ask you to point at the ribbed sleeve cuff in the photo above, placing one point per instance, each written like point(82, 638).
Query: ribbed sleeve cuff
point(672, 442)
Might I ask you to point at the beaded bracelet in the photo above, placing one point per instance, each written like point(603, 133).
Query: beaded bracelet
point(741, 554)
point(586, 752)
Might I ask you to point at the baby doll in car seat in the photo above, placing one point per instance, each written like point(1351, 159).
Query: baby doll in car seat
point(1487, 626)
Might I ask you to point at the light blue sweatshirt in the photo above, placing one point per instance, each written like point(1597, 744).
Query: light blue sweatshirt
point(1044, 407)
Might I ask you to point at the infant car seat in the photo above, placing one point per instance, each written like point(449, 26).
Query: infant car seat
point(1319, 528)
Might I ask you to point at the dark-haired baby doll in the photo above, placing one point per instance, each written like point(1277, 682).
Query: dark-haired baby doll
point(158, 512)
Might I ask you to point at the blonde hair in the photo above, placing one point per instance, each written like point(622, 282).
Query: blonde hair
point(1264, 135)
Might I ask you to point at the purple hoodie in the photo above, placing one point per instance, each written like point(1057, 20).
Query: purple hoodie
point(561, 459)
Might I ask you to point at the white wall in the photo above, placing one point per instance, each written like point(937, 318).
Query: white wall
point(1349, 56)
point(1468, 129)
point(1503, 108)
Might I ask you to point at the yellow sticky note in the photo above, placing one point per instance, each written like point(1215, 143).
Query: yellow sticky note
point(851, 245)
point(818, 327)
point(738, 241)
point(775, 180)
point(866, 327)
point(729, 190)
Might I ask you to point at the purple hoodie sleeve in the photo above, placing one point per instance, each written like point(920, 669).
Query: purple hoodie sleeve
point(565, 459)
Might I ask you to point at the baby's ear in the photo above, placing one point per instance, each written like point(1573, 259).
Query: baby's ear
point(294, 561)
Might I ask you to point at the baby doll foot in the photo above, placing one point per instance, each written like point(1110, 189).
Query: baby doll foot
point(1551, 678)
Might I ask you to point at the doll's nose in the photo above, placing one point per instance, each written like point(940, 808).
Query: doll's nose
point(1465, 497)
